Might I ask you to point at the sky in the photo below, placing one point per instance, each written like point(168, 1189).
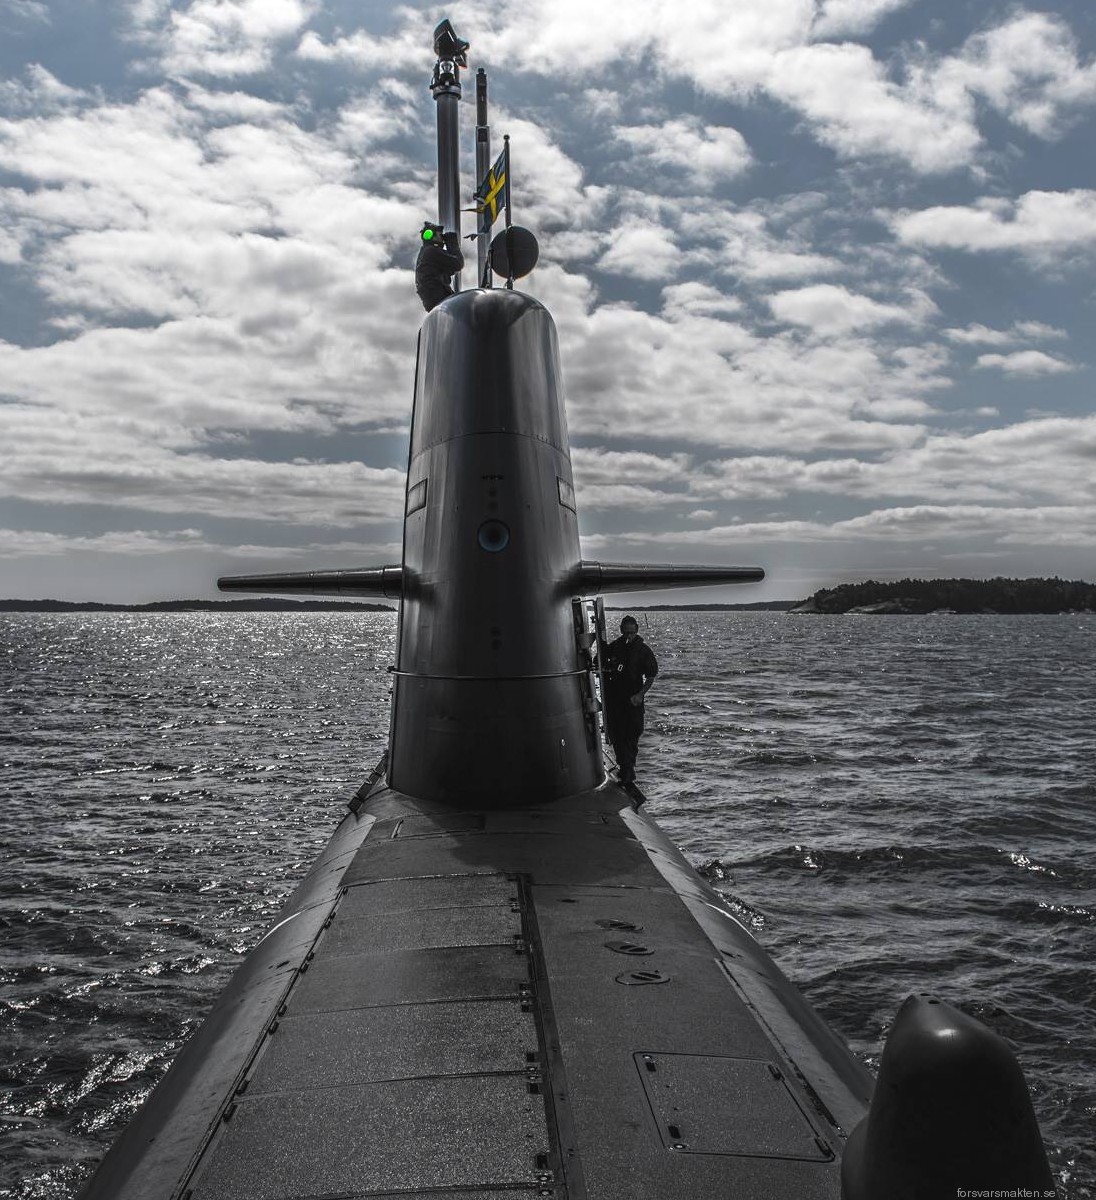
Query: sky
point(822, 271)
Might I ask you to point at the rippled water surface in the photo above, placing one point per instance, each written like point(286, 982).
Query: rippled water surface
point(894, 804)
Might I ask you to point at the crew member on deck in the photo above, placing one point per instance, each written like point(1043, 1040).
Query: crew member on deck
point(438, 261)
point(629, 669)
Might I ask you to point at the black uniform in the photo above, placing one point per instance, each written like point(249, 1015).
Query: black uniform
point(434, 270)
point(629, 668)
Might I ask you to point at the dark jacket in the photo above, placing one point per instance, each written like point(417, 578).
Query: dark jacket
point(434, 269)
point(628, 668)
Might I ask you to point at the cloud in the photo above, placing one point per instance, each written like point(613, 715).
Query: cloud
point(1029, 363)
point(1038, 460)
point(743, 243)
point(1042, 225)
point(1020, 331)
point(1072, 526)
point(706, 154)
point(222, 38)
point(138, 543)
point(33, 543)
point(642, 250)
point(629, 479)
point(365, 50)
point(28, 10)
point(97, 460)
point(853, 107)
point(39, 93)
point(919, 108)
point(237, 262)
point(698, 300)
point(1028, 69)
point(836, 17)
point(1034, 463)
point(702, 380)
point(136, 463)
point(827, 308)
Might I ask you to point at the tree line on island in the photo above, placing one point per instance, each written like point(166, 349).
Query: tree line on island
point(915, 596)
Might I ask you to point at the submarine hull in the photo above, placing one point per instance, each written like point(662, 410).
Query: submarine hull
point(501, 1002)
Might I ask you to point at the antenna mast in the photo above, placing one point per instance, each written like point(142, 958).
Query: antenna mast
point(483, 164)
point(445, 87)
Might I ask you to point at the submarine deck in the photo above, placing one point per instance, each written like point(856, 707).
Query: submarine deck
point(529, 1002)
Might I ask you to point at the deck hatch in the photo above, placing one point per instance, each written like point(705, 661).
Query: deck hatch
point(437, 975)
point(431, 928)
point(466, 1133)
point(366, 901)
point(703, 1104)
point(371, 1045)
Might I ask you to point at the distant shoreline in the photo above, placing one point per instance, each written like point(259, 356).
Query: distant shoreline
point(904, 597)
point(63, 606)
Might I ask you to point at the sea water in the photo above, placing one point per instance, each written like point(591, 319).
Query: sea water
point(892, 804)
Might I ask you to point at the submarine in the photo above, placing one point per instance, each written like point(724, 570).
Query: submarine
point(500, 979)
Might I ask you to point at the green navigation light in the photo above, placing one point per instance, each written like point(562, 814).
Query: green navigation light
point(427, 234)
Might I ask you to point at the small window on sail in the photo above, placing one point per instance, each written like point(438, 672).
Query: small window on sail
point(416, 497)
point(566, 495)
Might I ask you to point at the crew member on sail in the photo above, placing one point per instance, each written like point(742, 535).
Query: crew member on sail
point(439, 259)
point(630, 669)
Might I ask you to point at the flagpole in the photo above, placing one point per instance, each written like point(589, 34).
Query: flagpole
point(483, 163)
point(509, 220)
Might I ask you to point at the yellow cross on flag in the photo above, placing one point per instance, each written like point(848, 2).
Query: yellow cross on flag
point(493, 193)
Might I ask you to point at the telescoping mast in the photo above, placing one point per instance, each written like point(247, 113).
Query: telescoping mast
point(499, 979)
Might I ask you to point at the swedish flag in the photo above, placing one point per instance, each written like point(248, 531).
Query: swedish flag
point(493, 193)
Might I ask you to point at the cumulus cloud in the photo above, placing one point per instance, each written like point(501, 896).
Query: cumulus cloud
point(28, 10)
point(698, 300)
point(1020, 331)
point(366, 50)
point(95, 460)
point(39, 92)
point(1043, 225)
point(702, 380)
point(34, 543)
point(748, 243)
point(237, 263)
point(642, 250)
point(1028, 69)
point(1032, 463)
point(1028, 363)
point(222, 38)
point(836, 17)
point(829, 308)
point(629, 479)
point(1071, 526)
point(853, 107)
point(1036, 460)
point(705, 154)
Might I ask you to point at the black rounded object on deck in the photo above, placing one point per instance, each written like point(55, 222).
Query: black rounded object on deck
point(514, 252)
point(951, 1110)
